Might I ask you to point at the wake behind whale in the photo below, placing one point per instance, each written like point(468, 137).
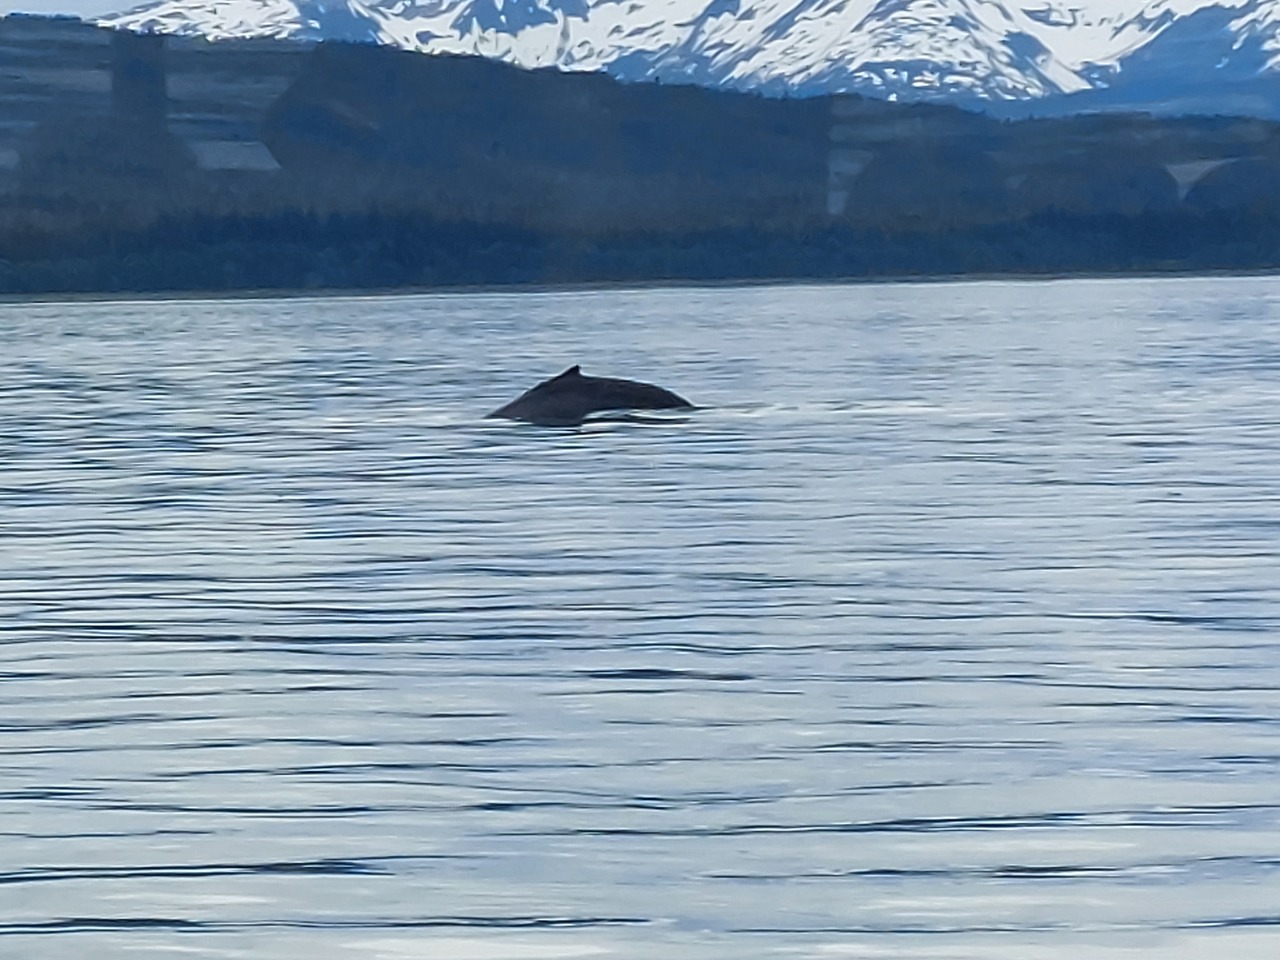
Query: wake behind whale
point(568, 399)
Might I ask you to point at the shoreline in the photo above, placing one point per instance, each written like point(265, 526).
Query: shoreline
point(595, 286)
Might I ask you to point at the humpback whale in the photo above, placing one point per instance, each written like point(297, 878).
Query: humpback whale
point(568, 399)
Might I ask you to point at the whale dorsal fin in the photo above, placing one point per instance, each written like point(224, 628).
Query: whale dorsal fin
point(574, 371)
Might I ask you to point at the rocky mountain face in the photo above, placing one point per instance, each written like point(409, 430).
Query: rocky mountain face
point(977, 52)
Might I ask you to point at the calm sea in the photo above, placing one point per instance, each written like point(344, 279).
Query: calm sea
point(949, 629)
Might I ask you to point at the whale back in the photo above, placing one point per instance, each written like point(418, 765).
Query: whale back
point(570, 397)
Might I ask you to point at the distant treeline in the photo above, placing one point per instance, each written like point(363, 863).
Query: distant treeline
point(298, 250)
point(355, 166)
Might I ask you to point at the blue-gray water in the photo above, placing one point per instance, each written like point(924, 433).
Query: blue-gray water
point(947, 630)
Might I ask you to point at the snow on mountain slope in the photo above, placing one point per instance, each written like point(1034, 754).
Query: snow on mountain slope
point(1262, 26)
point(914, 49)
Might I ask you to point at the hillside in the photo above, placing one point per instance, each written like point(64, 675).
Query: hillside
point(134, 161)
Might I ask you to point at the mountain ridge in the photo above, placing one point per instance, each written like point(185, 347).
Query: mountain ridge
point(978, 52)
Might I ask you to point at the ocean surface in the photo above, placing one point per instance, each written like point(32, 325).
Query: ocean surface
point(947, 629)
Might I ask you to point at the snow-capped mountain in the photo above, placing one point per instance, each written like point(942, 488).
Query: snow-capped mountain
point(962, 50)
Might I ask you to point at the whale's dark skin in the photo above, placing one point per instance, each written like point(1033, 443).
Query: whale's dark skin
point(568, 399)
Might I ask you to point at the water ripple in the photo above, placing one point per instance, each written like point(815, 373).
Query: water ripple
point(943, 630)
